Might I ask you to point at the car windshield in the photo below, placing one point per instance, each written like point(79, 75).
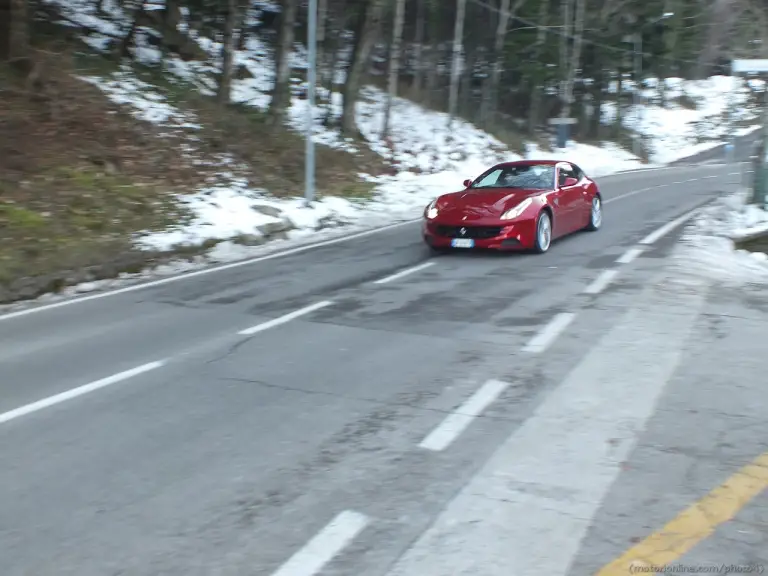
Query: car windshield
point(530, 176)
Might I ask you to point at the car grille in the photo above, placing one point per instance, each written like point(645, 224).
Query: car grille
point(477, 232)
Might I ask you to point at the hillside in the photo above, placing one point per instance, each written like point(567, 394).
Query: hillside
point(113, 164)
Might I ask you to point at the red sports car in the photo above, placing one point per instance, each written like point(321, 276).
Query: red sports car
point(515, 206)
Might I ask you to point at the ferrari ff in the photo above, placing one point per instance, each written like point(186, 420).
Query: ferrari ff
point(520, 205)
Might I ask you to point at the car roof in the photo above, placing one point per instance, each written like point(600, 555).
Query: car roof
point(530, 163)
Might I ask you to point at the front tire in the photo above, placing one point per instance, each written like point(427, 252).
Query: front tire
point(543, 232)
point(595, 215)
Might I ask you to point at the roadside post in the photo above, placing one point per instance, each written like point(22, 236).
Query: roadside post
point(309, 162)
point(563, 130)
point(760, 161)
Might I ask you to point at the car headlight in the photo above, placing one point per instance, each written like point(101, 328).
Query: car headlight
point(517, 210)
point(431, 212)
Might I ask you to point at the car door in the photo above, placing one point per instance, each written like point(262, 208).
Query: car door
point(584, 208)
point(568, 201)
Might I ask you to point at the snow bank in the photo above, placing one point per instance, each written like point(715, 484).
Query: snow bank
point(707, 245)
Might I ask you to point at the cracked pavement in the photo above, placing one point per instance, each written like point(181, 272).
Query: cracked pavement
point(238, 450)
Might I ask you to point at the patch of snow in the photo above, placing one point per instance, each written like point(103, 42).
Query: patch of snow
point(676, 130)
point(707, 245)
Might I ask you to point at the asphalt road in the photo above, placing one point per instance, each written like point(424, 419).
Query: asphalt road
point(144, 434)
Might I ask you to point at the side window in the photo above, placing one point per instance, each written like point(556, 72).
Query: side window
point(565, 171)
point(577, 172)
point(489, 180)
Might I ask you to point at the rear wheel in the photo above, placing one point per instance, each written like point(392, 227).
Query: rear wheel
point(543, 232)
point(595, 214)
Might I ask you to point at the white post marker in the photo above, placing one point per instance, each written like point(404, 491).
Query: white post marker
point(309, 166)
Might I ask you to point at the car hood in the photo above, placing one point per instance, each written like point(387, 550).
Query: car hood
point(480, 204)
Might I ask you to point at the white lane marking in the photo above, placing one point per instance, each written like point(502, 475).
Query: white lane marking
point(629, 255)
point(541, 489)
point(79, 391)
point(716, 176)
point(667, 228)
point(326, 544)
point(601, 282)
point(405, 272)
point(549, 333)
point(627, 195)
point(196, 273)
point(279, 254)
point(458, 421)
point(285, 318)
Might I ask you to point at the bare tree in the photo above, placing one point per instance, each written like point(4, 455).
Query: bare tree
point(365, 36)
point(394, 63)
point(458, 36)
point(281, 93)
point(227, 54)
point(490, 104)
point(418, 48)
point(722, 16)
point(575, 59)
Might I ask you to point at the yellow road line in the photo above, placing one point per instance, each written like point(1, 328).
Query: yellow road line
point(696, 522)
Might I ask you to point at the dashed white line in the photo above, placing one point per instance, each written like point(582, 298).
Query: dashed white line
point(667, 228)
point(325, 545)
point(405, 272)
point(285, 318)
point(549, 333)
point(458, 421)
point(627, 195)
point(79, 391)
point(629, 255)
point(601, 282)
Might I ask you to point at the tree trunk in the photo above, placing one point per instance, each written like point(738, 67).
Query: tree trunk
point(721, 20)
point(458, 37)
point(365, 37)
point(122, 48)
point(418, 50)
point(321, 54)
point(394, 63)
point(466, 88)
point(242, 24)
point(491, 106)
point(573, 65)
point(14, 30)
point(227, 54)
point(6, 19)
point(281, 93)
point(535, 99)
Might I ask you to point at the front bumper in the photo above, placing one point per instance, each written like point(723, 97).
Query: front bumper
point(518, 235)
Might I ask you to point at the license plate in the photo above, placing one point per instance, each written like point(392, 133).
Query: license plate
point(463, 243)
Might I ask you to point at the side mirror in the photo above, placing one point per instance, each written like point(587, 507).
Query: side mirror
point(570, 182)
point(467, 183)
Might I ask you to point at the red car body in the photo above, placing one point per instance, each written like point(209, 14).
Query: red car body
point(501, 217)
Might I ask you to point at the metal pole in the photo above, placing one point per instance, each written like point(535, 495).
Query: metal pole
point(309, 164)
point(731, 140)
point(638, 87)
